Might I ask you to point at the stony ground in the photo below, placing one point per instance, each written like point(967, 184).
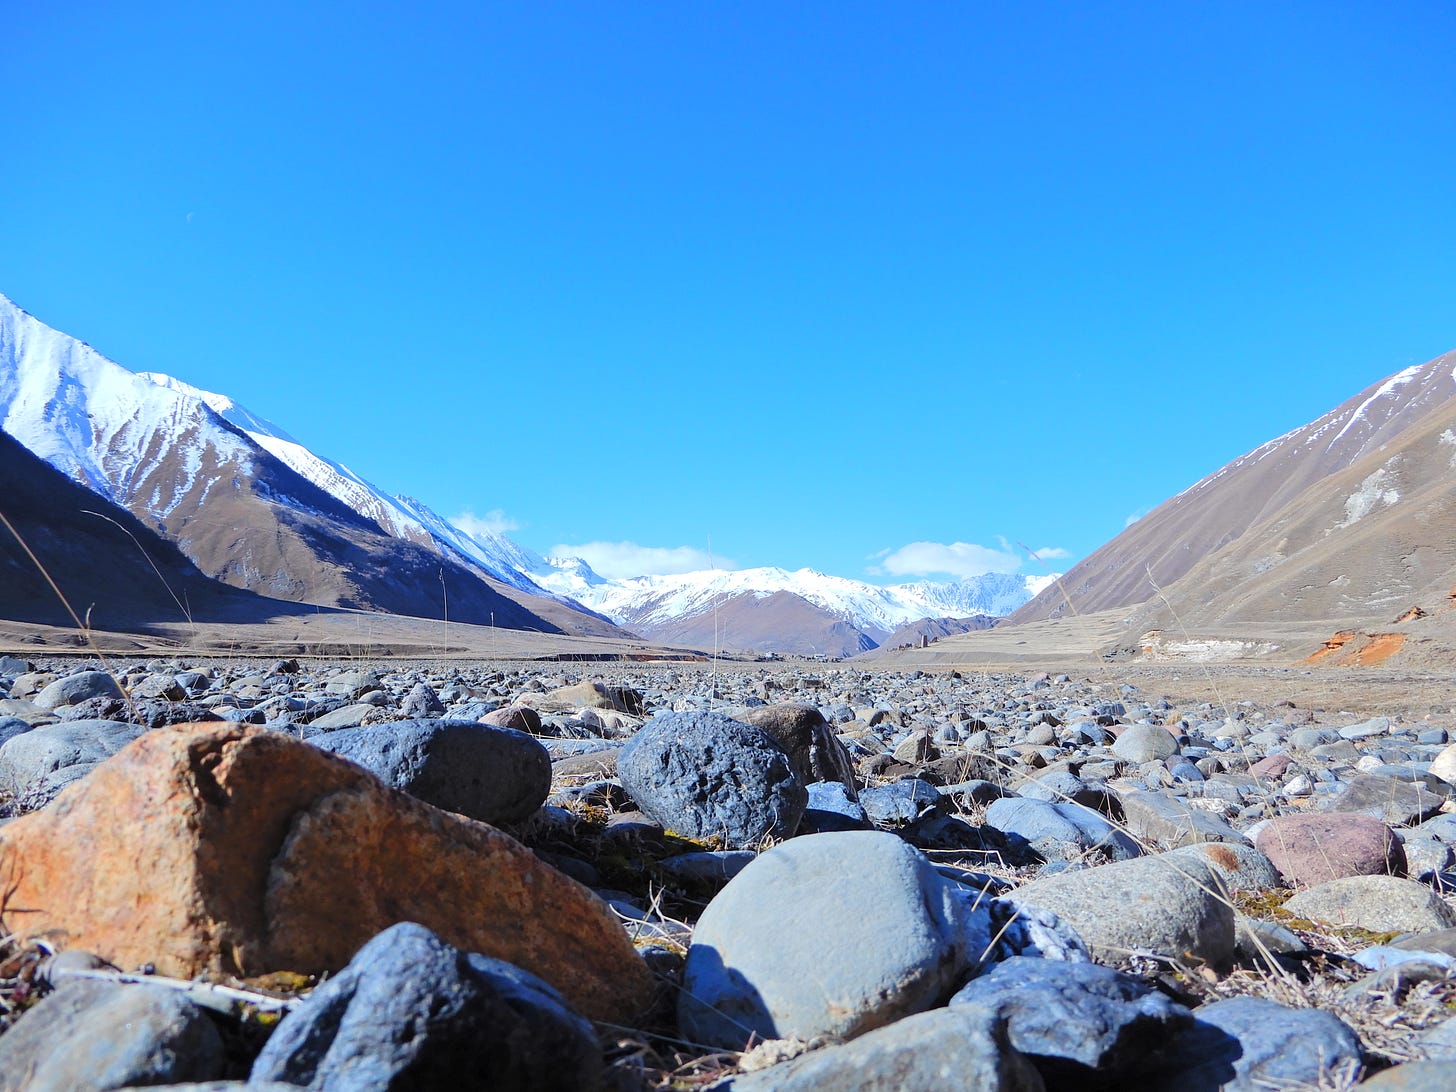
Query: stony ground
point(1028, 786)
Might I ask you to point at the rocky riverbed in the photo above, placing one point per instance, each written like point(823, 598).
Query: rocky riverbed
point(800, 876)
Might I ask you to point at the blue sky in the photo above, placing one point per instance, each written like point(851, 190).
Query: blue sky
point(878, 289)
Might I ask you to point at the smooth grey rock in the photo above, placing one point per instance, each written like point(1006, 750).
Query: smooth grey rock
point(1381, 904)
point(963, 1048)
point(409, 1011)
point(1171, 822)
point(1242, 867)
point(353, 684)
point(345, 716)
point(1427, 1076)
point(1172, 906)
point(1397, 803)
point(102, 1035)
point(1144, 743)
point(496, 775)
point(705, 775)
point(1061, 831)
point(421, 701)
point(1439, 1042)
point(11, 727)
point(1248, 1044)
point(32, 763)
point(74, 689)
point(1081, 1024)
point(830, 934)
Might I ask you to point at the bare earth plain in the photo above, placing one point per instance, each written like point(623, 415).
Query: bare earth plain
point(1418, 686)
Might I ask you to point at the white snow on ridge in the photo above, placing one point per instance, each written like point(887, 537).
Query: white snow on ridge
point(401, 517)
point(874, 609)
point(99, 423)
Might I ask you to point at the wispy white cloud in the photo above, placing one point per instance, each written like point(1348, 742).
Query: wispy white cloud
point(494, 522)
point(618, 560)
point(961, 560)
point(1134, 517)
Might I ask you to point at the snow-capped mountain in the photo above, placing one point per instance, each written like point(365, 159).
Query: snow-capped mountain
point(645, 601)
point(254, 507)
point(401, 517)
point(239, 512)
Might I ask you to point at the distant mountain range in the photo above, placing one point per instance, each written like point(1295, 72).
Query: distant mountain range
point(772, 610)
point(1346, 522)
point(252, 508)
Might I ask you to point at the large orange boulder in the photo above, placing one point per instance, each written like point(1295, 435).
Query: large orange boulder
point(215, 849)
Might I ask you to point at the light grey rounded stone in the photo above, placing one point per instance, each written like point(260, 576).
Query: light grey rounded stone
point(1242, 867)
point(1172, 906)
point(101, 1035)
point(32, 764)
point(74, 689)
point(1382, 904)
point(1060, 830)
point(962, 1048)
point(828, 934)
point(1145, 743)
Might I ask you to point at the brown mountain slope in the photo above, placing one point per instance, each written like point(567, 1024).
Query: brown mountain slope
point(1339, 521)
point(114, 571)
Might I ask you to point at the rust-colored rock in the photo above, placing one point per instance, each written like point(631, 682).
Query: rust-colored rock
point(1316, 848)
point(214, 849)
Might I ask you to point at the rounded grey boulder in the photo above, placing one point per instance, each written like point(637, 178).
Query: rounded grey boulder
point(74, 689)
point(1170, 906)
point(496, 775)
point(102, 1035)
point(829, 934)
point(705, 775)
point(36, 765)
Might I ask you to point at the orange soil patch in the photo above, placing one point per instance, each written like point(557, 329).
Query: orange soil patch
point(1410, 616)
point(1350, 649)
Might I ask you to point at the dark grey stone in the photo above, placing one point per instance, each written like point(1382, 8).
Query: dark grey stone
point(962, 1048)
point(900, 801)
point(102, 1035)
point(1396, 803)
point(411, 1012)
point(496, 775)
point(705, 775)
point(831, 808)
point(1082, 1025)
point(1248, 1044)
